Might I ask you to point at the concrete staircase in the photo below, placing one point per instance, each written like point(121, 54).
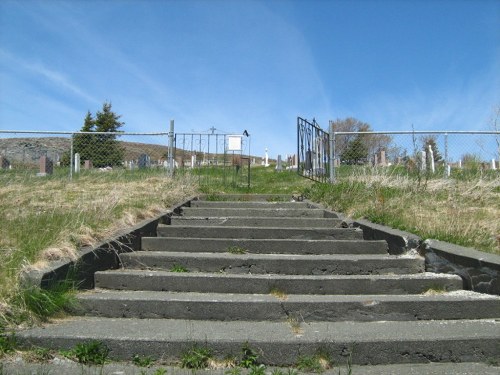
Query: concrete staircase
point(285, 278)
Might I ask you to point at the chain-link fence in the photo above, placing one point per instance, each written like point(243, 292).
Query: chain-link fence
point(433, 153)
point(68, 153)
point(216, 159)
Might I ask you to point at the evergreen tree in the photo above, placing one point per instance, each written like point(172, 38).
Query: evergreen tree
point(102, 149)
point(431, 141)
point(84, 143)
point(356, 151)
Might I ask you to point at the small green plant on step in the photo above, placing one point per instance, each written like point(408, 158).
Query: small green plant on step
point(89, 353)
point(196, 358)
point(248, 356)
point(178, 268)
point(7, 342)
point(142, 361)
point(317, 363)
point(236, 250)
point(257, 370)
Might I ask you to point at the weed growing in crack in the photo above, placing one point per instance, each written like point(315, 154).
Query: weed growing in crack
point(257, 370)
point(248, 356)
point(317, 363)
point(294, 325)
point(178, 268)
point(279, 294)
point(236, 250)
point(435, 289)
point(196, 358)
point(142, 361)
point(89, 353)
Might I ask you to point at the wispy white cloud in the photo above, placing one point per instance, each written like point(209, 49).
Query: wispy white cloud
point(55, 78)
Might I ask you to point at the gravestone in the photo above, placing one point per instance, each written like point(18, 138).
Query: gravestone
point(493, 165)
point(375, 160)
point(144, 161)
point(431, 159)
point(4, 163)
point(88, 164)
point(382, 158)
point(279, 164)
point(77, 163)
point(423, 159)
point(46, 166)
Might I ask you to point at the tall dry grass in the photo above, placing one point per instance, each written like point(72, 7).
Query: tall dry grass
point(44, 219)
point(461, 211)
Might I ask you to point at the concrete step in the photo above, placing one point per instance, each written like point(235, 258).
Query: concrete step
point(280, 246)
point(274, 263)
point(249, 204)
point(281, 343)
point(266, 222)
point(260, 233)
point(261, 212)
point(263, 284)
point(280, 307)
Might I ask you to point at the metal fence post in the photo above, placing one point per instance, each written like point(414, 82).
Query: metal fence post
point(332, 153)
point(71, 159)
point(171, 149)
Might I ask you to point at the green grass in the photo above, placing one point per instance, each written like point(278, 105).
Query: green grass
point(89, 353)
point(196, 358)
point(49, 218)
point(178, 268)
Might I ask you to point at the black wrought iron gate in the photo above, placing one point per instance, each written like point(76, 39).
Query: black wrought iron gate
point(313, 150)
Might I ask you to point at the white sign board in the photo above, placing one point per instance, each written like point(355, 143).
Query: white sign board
point(234, 142)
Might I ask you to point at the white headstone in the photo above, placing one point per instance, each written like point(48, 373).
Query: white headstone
point(266, 159)
point(493, 164)
point(193, 160)
point(431, 159)
point(423, 159)
point(460, 164)
point(77, 163)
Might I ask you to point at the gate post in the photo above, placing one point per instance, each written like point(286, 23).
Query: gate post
point(171, 149)
point(332, 153)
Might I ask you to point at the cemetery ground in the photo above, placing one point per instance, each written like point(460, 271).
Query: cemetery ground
point(48, 218)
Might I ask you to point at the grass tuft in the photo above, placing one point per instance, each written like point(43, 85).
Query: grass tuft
point(196, 358)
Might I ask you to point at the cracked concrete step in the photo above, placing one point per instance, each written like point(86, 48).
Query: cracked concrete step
point(280, 307)
point(263, 284)
point(343, 264)
point(260, 233)
point(251, 212)
point(251, 204)
point(280, 343)
point(266, 222)
point(280, 246)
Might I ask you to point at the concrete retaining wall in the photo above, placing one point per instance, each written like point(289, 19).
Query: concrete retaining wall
point(104, 256)
point(480, 271)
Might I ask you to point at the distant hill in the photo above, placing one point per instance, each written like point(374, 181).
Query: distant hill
point(29, 150)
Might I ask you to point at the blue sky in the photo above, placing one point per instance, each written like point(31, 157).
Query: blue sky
point(253, 65)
